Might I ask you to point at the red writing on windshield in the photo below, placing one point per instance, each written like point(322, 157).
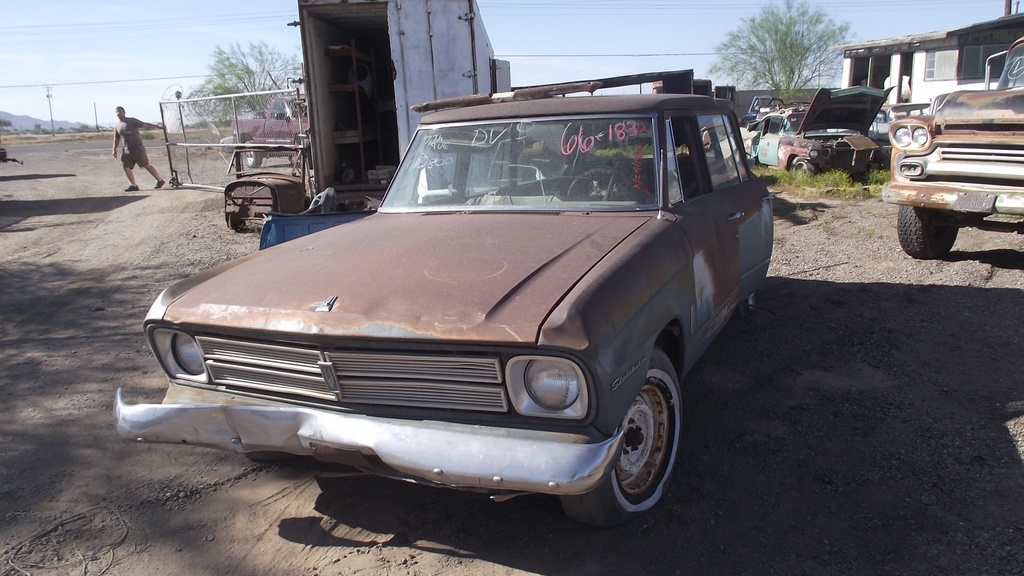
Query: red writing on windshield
point(638, 166)
point(579, 140)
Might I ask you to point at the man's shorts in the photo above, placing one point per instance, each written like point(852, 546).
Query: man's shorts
point(129, 158)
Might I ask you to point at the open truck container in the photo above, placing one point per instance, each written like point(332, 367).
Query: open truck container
point(366, 64)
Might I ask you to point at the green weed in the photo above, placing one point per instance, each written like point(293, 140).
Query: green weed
point(832, 184)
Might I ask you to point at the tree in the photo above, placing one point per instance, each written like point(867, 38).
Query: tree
point(237, 70)
point(783, 49)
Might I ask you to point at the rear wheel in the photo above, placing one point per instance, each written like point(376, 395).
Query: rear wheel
point(925, 234)
point(651, 440)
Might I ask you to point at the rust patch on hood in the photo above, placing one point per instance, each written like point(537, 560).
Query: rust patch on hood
point(477, 276)
point(982, 107)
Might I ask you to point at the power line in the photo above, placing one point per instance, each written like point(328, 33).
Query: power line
point(105, 81)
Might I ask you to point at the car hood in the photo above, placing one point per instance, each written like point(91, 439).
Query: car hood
point(478, 276)
point(982, 106)
point(846, 109)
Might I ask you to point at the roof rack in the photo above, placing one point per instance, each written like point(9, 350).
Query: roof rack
point(520, 94)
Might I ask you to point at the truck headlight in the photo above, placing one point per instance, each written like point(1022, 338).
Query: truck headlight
point(901, 137)
point(179, 354)
point(547, 386)
point(919, 136)
point(911, 136)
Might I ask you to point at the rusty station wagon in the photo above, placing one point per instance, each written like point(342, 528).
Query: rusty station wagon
point(516, 318)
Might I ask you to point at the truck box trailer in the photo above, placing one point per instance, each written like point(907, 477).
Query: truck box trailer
point(366, 64)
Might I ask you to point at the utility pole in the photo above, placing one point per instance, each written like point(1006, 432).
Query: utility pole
point(49, 102)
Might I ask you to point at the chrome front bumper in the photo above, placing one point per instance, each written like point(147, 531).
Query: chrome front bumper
point(950, 195)
point(456, 455)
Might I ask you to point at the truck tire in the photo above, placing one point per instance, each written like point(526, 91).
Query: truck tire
point(641, 476)
point(923, 234)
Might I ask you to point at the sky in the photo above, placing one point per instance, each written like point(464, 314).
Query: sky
point(76, 61)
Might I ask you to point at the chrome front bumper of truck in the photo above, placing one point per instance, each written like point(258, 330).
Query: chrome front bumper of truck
point(454, 455)
point(956, 196)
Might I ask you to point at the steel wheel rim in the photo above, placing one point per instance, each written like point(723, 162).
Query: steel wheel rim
point(646, 440)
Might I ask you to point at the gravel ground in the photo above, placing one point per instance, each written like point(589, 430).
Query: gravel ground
point(867, 419)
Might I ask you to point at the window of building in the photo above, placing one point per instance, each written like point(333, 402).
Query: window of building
point(972, 61)
point(940, 65)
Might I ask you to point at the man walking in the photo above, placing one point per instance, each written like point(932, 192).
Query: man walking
point(134, 152)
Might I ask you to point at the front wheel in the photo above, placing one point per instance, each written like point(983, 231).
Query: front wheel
point(651, 440)
point(923, 233)
point(802, 165)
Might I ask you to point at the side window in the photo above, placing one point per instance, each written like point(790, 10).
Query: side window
point(738, 153)
point(723, 164)
point(278, 110)
point(683, 183)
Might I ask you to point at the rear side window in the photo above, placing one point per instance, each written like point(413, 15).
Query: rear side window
point(724, 160)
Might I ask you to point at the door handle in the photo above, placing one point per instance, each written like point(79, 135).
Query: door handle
point(734, 216)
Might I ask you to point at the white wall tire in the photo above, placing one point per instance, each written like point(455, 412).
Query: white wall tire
point(641, 476)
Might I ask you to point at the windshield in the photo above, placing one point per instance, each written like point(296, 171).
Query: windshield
point(793, 122)
point(592, 163)
point(1013, 71)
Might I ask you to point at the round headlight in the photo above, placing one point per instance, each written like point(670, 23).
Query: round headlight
point(901, 137)
point(553, 385)
point(812, 154)
point(920, 135)
point(187, 354)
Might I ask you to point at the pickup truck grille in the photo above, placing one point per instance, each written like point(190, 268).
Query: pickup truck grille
point(1012, 154)
point(346, 377)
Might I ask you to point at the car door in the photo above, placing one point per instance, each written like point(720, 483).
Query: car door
point(751, 205)
point(703, 214)
point(768, 149)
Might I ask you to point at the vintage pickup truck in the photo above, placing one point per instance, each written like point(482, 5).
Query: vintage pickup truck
point(961, 166)
point(516, 317)
point(281, 124)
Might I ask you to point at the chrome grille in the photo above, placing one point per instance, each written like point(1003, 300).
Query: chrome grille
point(418, 380)
point(964, 153)
point(454, 368)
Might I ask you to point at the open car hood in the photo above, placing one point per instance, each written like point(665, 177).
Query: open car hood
point(847, 109)
point(468, 277)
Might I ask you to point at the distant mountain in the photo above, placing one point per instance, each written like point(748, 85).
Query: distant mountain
point(28, 122)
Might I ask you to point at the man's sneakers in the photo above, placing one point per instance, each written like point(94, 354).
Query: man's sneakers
point(134, 188)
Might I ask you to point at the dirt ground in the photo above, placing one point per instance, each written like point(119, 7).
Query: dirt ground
point(867, 419)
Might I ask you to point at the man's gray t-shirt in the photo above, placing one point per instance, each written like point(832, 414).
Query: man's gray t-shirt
point(129, 131)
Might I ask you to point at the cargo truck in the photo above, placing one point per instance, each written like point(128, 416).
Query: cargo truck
point(366, 64)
